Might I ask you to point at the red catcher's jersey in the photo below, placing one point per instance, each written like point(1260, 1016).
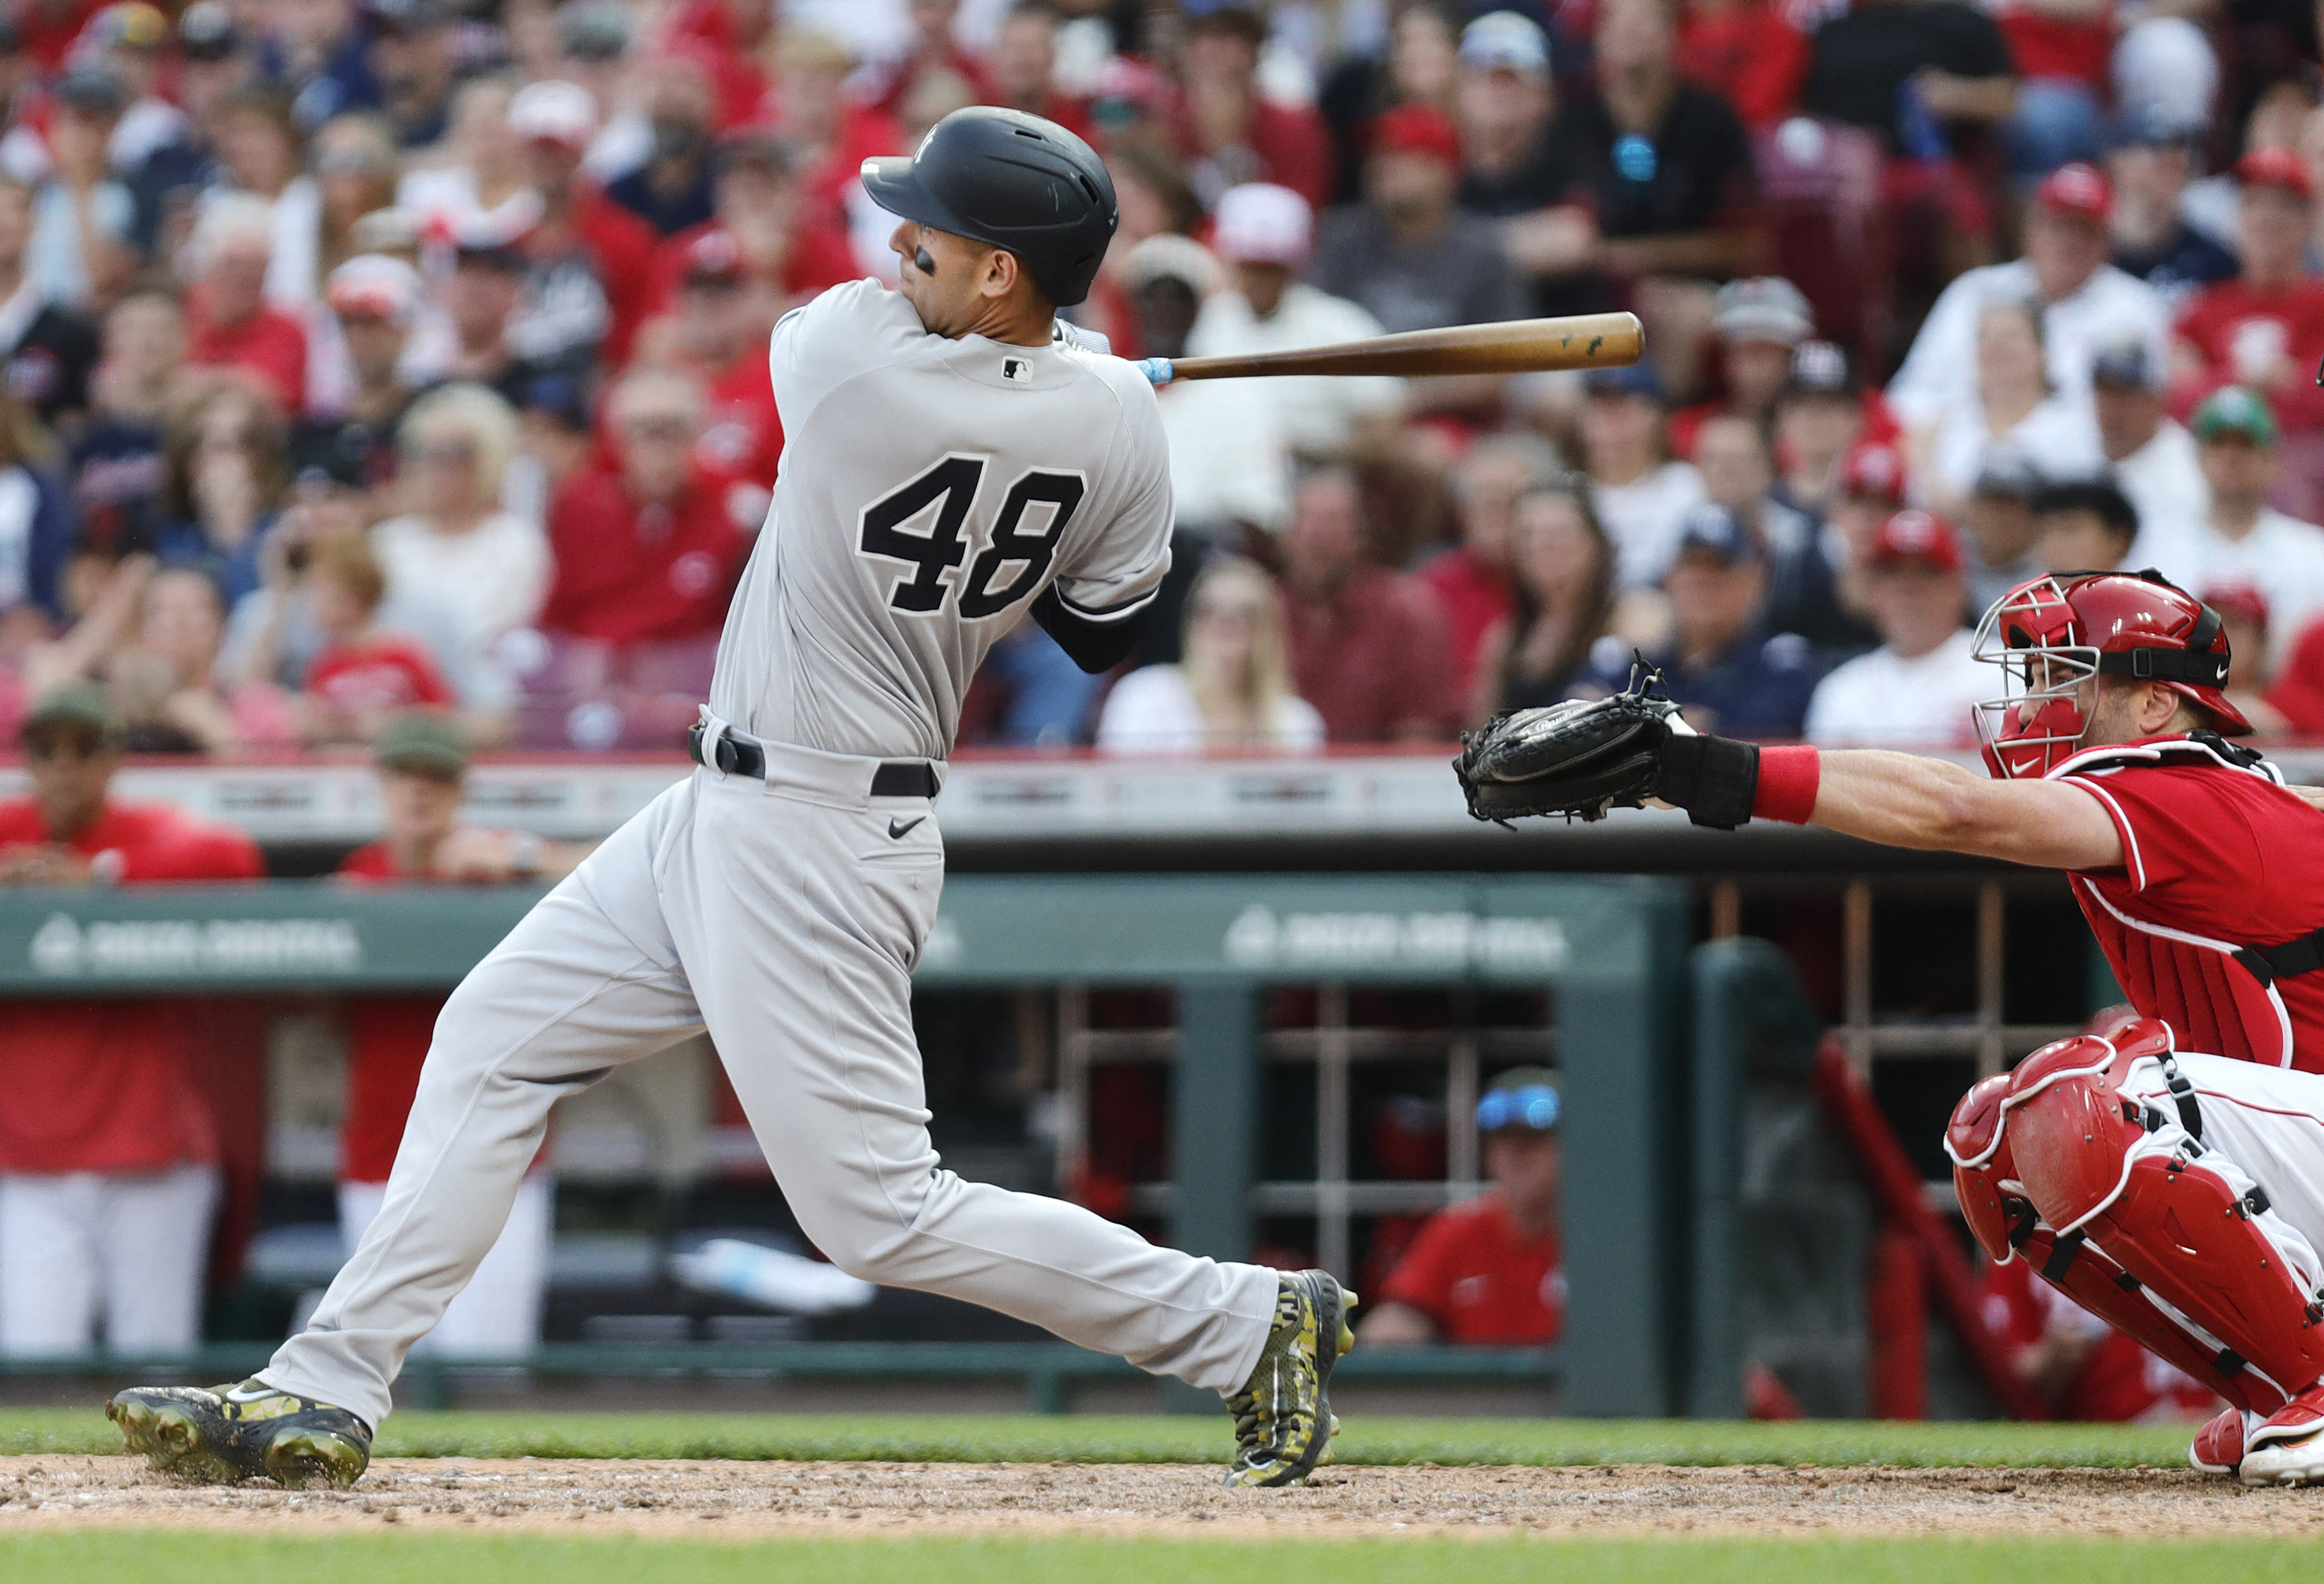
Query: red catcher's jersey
point(2217, 856)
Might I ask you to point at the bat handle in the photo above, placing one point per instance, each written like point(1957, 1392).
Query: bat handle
point(1155, 369)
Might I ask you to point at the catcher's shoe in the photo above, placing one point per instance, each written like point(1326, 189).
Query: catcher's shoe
point(2219, 1446)
point(220, 1434)
point(2287, 1447)
point(1283, 1414)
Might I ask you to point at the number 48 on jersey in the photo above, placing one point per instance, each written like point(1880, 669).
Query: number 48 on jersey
point(942, 497)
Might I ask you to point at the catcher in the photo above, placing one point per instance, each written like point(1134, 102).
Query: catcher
point(2170, 1176)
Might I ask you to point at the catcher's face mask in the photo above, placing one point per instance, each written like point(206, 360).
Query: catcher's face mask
point(2049, 681)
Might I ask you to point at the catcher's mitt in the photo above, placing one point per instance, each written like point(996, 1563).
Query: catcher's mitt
point(1578, 759)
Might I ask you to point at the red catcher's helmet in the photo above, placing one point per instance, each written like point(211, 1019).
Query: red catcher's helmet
point(2085, 624)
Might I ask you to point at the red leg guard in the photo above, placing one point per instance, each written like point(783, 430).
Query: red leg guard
point(2185, 1223)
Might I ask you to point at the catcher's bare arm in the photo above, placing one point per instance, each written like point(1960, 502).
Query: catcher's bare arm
point(1904, 800)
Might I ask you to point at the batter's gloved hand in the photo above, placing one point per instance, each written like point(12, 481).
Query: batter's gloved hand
point(1582, 759)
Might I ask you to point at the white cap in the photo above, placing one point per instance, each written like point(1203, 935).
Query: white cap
point(1169, 256)
point(374, 286)
point(1506, 41)
point(554, 111)
point(1261, 223)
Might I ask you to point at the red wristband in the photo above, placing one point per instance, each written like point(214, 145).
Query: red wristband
point(1788, 778)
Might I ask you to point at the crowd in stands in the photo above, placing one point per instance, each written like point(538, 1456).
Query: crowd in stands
point(367, 354)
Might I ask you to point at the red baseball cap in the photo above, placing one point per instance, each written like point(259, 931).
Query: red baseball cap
point(2077, 190)
point(1916, 535)
point(1874, 468)
point(2241, 601)
point(714, 256)
point(2276, 167)
point(1416, 129)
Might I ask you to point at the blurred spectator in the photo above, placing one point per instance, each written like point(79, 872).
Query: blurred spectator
point(787, 249)
point(1640, 495)
point(1472, 580)
point(591, 260)
point(1368, 646)
point(2084, 525)
point(109, 1158)
point(1912, 71)
point(411, 57)
point(829, 133)
point(1228, 132)
point(1042, 699)
point(1490, 1271)
point(1749, 52)
point(484, 296)
point(355, 162)
point(2060, 50)
point(2152, 456)
point(477, 185)
point(671, 191)
point(1510, 169)
point(1870, 488)
point(2083, 1369)
point(212, 62)
point(422, 774)
point(83, 219)
point(1024, 66)
point(719, 334)
point(1407, 254)
point(2016, 410)
point(1920, 688)
point(1997, 521)
point(593, 38)
point(46, 350)
point(225, 453)
point(2086, 304)
point(126, 40)
point(729, 40)
point(1263, 233)
point(556, 439)
point(1760, 322)
point(1667, 169)
point(2243, 539)
point(1720, 664)
point(320, 47)
point(36, 520)
point(374, 301)
point(364, 675)
point(116, 470)
point(1802, 596)
point(168, 684)
point(2264, 328)
point(932, 49)
point(1562, 570)
point(1820, 416)
point(259, 157)
point(484, 569)
point(1231, 691)
point(1419, 65)
point(2243, 612)
point(2151, 157)
point(227, 321)
point(646, 549)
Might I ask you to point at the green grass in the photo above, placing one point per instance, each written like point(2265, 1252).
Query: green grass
point(961, 1438)
point(90, 1556)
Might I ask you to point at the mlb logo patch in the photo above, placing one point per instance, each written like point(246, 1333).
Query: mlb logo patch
point(1016, 368)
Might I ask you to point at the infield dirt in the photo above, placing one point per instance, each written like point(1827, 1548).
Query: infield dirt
point(738, 1500)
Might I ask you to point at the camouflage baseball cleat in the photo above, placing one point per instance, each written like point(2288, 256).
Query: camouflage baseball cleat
point(218, 1435)
point(1283, 1414)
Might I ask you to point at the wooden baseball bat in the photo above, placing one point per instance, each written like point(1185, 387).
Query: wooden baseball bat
point(1514, 346)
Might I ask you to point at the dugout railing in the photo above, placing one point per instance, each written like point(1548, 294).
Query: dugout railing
point(1606, 955)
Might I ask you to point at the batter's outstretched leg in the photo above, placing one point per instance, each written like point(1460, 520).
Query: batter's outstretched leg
point(588, 980)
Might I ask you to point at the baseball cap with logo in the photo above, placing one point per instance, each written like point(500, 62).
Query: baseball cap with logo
point(1766, 308)
point(2276, 167)
point(1260, 223)
point(422, 743)
point(1713, 530)
point(1876, 469)
point(2125, 366)
point(1916, 535)
point(2234, 412)
point(373, 285)
point(560, 113)
point(1416, 129)
point(713, 258)
point(1504, 40)
point(2079, 191)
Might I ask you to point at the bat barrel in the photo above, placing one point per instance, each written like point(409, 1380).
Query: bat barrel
point(1580, 341)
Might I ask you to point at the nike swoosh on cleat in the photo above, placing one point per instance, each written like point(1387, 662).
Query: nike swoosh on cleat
point(245, 1393)
point(899, 829)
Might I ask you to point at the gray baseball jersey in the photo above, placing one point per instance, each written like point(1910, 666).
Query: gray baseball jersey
point(930, 489)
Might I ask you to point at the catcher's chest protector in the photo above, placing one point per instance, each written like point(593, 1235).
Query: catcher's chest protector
point(2081, 1161)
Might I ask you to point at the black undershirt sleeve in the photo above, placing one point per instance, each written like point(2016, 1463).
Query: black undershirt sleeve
point(1094, 646)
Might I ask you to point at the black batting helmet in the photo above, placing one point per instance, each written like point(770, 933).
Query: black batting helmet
point(1012, 181)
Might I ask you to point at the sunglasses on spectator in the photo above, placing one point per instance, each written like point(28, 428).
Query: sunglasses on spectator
point(670, 427)
point(442, 453)
point(55, 747)
point(1529, 1105)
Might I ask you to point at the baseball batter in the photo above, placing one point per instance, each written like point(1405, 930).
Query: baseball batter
point(2167, 1177)
point(956, 463)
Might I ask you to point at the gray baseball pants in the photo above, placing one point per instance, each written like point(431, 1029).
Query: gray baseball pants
point(784, 918)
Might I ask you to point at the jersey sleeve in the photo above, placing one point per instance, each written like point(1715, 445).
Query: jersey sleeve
point(1116, 568)
point(2185, 838)
point(822, 344)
